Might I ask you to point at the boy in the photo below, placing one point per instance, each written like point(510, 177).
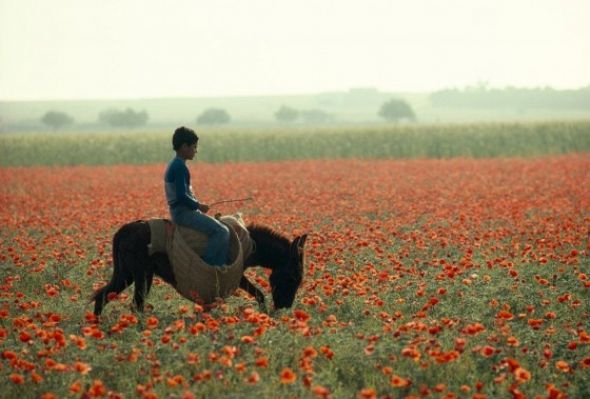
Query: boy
point(185, 209)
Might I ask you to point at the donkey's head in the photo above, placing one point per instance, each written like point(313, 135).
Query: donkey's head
point(285, 280)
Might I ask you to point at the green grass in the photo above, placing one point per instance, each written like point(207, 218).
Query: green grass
point(223, 145)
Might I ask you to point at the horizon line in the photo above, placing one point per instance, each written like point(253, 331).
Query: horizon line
point(288, 94)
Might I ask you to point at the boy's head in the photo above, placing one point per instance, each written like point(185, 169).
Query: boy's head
point(184, 135)
point(184, 142)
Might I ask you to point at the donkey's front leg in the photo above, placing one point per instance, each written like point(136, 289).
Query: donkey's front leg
point(251, 289)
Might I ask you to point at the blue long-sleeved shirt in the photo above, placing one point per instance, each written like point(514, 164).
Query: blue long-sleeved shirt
point(177, 185)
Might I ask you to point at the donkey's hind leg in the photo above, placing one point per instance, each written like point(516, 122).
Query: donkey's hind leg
point(149, 279)
point(143, 275)
point(117, 284)
point(143, 284)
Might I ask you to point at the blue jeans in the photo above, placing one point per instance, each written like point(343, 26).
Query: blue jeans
point(218, 234)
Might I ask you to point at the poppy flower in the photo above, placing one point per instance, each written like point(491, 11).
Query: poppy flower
point(487, 351)
point(97, 389)
point(253, 378)
point(247, 339)
point(25, 336)
point(36, 378)
point(261, 362)
point(188, 395)
point(473, 329)
point(301, 315)
point(10, 355)
point(399, 382)
point(152, 322)
point(505, 315)
point(321, 391)
point(327, 352)
point(309, 351)
point(76, 387)
point(288, 376)
point(521, 375)
point(17, 378)
point(82, 368)
point(535, 324)
point(563, 366)
point(367, 393)
point(175, 381)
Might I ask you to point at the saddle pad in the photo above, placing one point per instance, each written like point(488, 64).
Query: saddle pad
point(195, 279)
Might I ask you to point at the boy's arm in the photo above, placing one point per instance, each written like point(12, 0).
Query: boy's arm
point(182, 191)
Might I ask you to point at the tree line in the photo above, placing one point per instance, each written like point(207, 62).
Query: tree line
point(128, 118)
point(393, 110)
point(482, 96)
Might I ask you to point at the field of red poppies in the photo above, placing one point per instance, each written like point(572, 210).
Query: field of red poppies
point(424, 278)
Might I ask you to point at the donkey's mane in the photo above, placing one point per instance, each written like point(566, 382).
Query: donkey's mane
point(261, 232)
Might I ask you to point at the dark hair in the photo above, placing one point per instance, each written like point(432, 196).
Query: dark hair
point(183, 135)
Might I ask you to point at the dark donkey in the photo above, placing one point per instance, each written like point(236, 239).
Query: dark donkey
point(132, 264)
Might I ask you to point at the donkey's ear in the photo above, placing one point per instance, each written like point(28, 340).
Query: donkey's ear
point(301, 241)
point(297, 245)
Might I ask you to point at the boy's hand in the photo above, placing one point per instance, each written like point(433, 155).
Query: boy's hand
point(204, 208)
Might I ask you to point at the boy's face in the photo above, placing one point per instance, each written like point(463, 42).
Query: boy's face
point(188, 151)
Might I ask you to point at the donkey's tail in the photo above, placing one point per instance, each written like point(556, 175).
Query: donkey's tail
point(117, 283)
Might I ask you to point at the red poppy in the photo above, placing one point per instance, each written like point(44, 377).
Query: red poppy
point(321, 391)
point(288, 376)
point(367, 393)
point(17, 378)
point(399, 382)
point(522, 375)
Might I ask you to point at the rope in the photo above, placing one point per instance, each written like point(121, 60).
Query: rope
point(231, 200)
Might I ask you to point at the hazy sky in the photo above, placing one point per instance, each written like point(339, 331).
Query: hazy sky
point(59, 49)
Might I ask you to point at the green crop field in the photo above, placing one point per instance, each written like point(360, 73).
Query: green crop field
point(222, 145)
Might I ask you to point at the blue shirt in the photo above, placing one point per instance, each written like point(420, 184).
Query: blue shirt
point(177, 185)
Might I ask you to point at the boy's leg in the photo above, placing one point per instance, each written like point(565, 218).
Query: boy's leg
point(217, 232)
point(218, 244)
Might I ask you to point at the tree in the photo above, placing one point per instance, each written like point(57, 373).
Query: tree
point(214, 116)
point(127, 118)
point(286, 114)
point(396, 109)
point(56, 119)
